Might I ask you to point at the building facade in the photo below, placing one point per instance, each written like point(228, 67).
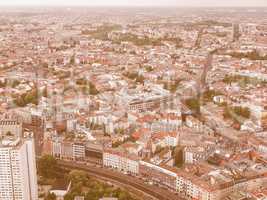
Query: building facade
point(121, 162)
point(18, 177)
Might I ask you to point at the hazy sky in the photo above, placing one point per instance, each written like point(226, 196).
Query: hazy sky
point(194, 3)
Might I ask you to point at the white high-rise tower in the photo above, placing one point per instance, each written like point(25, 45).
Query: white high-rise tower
point(18, 177)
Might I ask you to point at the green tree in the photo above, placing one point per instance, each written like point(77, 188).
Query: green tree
point(47, 166)
point(15, 83)
point(30, 96)
point(72, 60)
point(92, 89)
point(50, 196)
point(172, 86)
point(242, 111)
point(19, 101)
point(45, 65)
point(78, 176)
point(253, 55)
point(140, 79)
point(149, 68)
point(193, 104)
point(45, 93)
point(3, 84)
point(119, 131)
point(178, 156)
point(209, 95)
point(26, 98)
point(235, 112)
point(124, 195)
point(81, 81)
point(9, 133)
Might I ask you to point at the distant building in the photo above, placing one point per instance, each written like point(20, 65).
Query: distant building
point(196, 154)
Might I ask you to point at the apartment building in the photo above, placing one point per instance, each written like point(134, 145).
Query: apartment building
point(120, 161)
point(67, 150)
point(160, 175)
point(194, 154)
point(18, 178)
point(8, 126)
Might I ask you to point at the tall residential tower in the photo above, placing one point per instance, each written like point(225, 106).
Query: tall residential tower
point(18, 178)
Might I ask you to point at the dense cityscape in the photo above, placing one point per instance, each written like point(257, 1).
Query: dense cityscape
point(133, 103)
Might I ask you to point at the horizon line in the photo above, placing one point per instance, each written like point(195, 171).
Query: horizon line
point(129, 6)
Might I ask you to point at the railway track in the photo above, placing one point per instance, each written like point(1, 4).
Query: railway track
point(153, 191)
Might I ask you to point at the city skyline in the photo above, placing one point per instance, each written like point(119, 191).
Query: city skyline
point(133, 100)
point(178, 3)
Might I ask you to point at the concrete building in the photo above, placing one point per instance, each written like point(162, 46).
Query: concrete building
point(120, 161)
point(157, 174)
point(18, 178)
point(197, 154)
point(66, 150)
point(78, 151)
point(10, 127)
